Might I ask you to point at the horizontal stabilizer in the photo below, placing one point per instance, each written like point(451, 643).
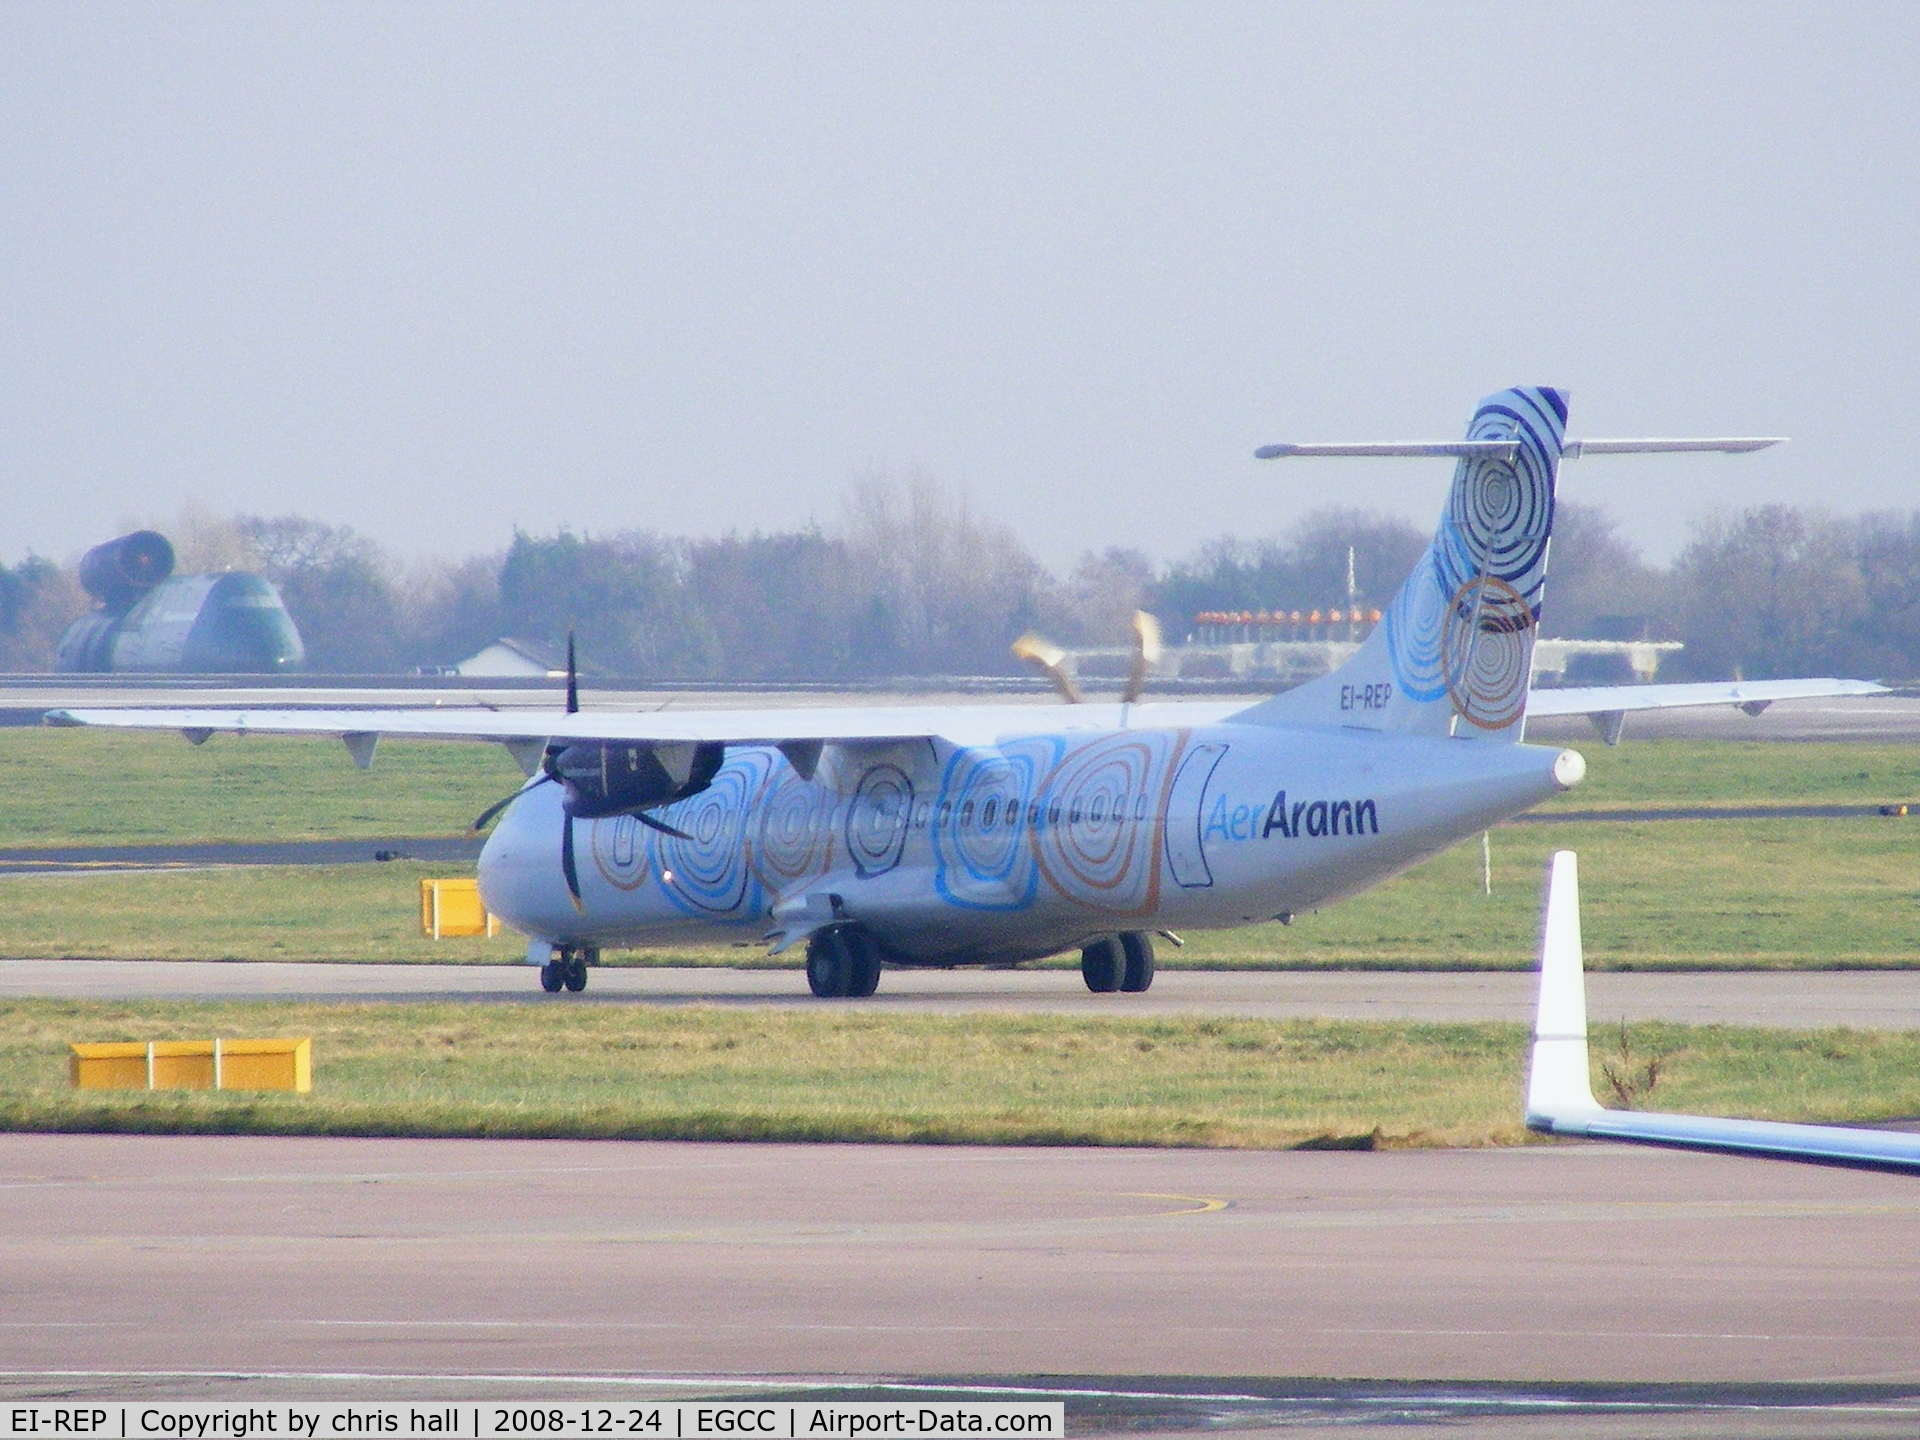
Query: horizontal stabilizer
point(1488, 449)
point(1724, 445)
point(1505, 450)
point(1559, 1087)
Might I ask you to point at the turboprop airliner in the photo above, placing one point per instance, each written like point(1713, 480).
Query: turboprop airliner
point(991, 835)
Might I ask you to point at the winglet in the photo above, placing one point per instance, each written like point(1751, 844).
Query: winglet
point(1559, 1086)
point(1560, 1095)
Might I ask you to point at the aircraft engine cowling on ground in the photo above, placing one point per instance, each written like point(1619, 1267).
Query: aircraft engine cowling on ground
point(119, 572)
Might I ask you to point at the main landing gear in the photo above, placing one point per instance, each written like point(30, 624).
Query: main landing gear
point(842, 963)
point(1118, 962)
point(568, 968)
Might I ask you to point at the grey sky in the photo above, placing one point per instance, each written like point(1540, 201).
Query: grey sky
point(435, 271)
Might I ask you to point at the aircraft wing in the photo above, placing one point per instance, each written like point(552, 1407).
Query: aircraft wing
point(1608, 705)
point(1751, 695)
point(1560, 1090)
point(961, 724)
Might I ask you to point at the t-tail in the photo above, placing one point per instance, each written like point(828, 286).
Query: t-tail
point(1454, 653)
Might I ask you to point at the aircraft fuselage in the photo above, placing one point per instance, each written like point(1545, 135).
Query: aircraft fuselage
point(951, 855)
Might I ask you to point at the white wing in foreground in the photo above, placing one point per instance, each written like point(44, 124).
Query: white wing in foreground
point(1560, 1093)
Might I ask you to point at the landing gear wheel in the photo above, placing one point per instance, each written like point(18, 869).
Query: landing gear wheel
point(552, 976)
point(1137, 974)
point(829, 964)
point(1101, 965)
point(863, 976)
point(577, 973)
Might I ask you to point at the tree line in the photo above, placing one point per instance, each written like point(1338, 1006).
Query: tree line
point(914, 582)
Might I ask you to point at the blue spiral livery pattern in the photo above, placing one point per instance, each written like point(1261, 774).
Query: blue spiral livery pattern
point(711, 871)
point(619, 850)
point(1464, 623)
point(878, 819)
point(981, 856)
point(1097, 824)
point(796, 829)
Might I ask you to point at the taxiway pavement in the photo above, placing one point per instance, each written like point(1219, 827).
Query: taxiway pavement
point(1865, 999)
point(555, 1267)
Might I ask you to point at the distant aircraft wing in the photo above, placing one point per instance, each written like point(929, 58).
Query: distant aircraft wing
point(1610, 704)
point(1560, 1089)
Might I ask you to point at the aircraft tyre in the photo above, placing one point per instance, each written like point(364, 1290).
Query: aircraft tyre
point(829, 964)
point(863, 975)
point(552, 977)
point(1137, 974)
point(577, 972)
point(1102, 964)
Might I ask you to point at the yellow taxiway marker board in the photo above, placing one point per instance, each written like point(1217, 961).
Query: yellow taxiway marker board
point(285, 1064)
point(453, 907)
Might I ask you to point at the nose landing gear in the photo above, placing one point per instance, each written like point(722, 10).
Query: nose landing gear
point(568, 968)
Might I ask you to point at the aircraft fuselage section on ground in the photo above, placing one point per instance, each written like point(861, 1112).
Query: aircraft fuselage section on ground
point(949, 854)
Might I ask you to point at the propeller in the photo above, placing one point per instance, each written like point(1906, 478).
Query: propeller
point(1146, 654)
point(1049, 657)
point(1052, 659)
point(567, 867)
point(487, 815)
point(602, 778)
point(546, 765)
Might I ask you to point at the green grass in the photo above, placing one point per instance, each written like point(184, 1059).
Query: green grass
point(82, 787)
point(644, 1073)
point(1693, 773)
point(1747, 894)
point(1670, 894)
point(1679, 894)
point(105, 787)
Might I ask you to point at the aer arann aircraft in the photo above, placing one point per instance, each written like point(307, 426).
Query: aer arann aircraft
point(988, 835)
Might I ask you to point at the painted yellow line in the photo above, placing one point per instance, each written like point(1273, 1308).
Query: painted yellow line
point(1202, 1204)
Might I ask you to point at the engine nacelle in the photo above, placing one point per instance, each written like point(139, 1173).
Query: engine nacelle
point(119, 572)
point(605, 777)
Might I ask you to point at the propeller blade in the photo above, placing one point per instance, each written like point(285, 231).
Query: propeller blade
point(567, 867)
point(1146, 654)
point(1049, 657)
point(660, 825)
point(486, 815)
point(573, 689)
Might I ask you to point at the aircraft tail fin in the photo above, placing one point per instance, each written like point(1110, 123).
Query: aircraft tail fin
point(1454, 653)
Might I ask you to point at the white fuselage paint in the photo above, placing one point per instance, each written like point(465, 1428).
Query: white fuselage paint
point(982, 854)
